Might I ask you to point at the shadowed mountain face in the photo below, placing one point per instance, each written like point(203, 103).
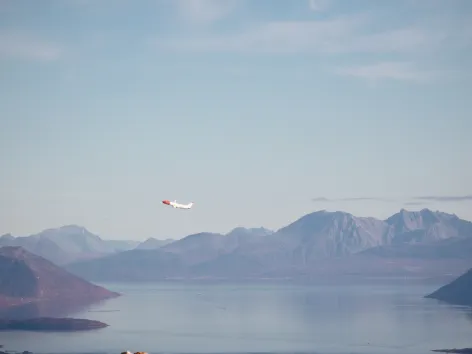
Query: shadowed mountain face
point(134, 265)
point(330, 234)
point(67, 244)
point(26, 279)
point(458, 292)
point(455, 247)
point(182, 258)
point(320, 240)
point(206, 246)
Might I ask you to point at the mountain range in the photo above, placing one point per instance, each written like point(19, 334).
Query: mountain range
point(422, 242)
point(321, 242)
point(71, 243)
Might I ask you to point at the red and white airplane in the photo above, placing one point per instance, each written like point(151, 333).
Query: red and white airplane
point(174, 204)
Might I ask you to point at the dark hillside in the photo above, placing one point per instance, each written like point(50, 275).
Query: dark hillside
point(26, 278)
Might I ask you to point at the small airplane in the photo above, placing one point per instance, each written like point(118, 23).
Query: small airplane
point(174, 204)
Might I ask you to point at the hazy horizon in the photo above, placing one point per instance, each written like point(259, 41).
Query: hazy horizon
point(258, 112)
point(142, 239)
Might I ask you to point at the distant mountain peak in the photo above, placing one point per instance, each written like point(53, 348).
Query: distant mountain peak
point(424, 211)
point(327, 212)
point(405, 221)
point(262, 231)
point(76, 229)
point(333, 215)
point(237, 229)
point(72, 227)
point(153, 243)
point(203, 234)
point(150, 239)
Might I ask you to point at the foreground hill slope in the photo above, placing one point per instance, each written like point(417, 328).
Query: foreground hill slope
point(458, 292)
point(27, 278)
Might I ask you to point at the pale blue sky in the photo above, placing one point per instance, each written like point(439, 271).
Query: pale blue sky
point(248, 108)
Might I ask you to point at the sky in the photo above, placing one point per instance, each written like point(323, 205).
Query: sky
point(257, 111)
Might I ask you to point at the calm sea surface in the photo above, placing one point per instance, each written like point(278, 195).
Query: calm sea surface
point(368, 317)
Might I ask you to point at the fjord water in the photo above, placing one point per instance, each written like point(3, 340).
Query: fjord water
point(389, 316)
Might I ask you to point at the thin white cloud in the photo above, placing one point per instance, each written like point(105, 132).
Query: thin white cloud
point(403, 71)
point(352, 199)
point(274, 37)
point(204, 11)
point(341, 35)
point(13, 45)
point(319, 5)
point(447, 198)
point(404, 40)
point(355, 33)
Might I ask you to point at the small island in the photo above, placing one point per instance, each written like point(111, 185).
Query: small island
point(50, 324)
point(457, 351)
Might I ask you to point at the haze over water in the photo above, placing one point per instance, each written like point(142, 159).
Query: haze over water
point(382, 317)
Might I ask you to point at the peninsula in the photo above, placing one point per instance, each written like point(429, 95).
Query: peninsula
point(50, 324)
point(455, 351)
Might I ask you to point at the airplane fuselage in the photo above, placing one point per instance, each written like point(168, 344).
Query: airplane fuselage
point(174, 204)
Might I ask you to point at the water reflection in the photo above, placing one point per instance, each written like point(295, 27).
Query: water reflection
point(52, 308)
point(195, 318)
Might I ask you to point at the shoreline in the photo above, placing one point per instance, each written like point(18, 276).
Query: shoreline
point(51, 324)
